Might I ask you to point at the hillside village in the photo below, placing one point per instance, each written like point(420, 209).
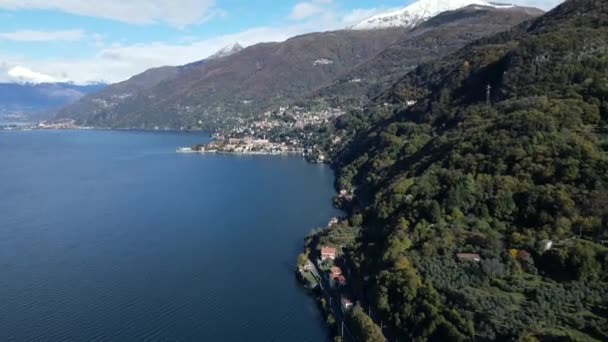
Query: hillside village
point(287, 130)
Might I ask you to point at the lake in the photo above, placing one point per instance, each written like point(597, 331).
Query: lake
point(112, 236)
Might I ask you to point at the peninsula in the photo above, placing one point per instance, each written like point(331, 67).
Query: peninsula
point(246, 145)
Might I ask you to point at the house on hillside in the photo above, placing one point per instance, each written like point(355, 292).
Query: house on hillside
point(307, 267)
point(545, 245)
point(468, 257)
point(334, 221)
point(523, 255)
point(346, 303)
point(336, 277)
point(328, 253)
point(347, 195)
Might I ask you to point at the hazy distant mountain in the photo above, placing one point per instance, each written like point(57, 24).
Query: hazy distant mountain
point(31, 101)
point(118, 96)
point(418, 12)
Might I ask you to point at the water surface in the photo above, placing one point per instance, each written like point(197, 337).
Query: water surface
point(112, 236)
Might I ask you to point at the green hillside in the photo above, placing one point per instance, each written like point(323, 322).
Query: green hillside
point(503, 150)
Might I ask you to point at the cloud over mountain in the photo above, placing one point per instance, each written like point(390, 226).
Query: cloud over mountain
point(25, 75)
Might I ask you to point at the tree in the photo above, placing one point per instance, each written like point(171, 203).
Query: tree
point(398, 244)
point(357, 220)
point(493, 267)
point(583, 263)
point(302, 259)
point(362, 326)
point(435, 212)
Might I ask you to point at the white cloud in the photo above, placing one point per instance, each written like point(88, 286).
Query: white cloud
point(542, 4)
point(22, 74)
point(178, 13)
point(43, 36)
point(305, 10)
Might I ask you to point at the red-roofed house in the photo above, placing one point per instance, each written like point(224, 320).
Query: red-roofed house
point(336, 277)
point(523, 255)
point(328, 253)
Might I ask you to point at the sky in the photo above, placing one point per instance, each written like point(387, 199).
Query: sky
point(89, 41)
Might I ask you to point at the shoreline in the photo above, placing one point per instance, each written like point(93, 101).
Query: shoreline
point(252, 145)
point(94, 128)
point(253, 153)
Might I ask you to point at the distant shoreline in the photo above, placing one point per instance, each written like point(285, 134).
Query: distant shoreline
point(33, 127)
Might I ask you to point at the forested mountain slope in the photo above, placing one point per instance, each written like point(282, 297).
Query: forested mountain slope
point(435, 38)
point(24, 101)
point(104, 105)
point(500, 156)
point(222, 90)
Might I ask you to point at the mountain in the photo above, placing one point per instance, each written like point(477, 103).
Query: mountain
point(432, 39)
point(103, 103)
point(235, 86)
point(32, 101)
point(419, 12)
point(227, 51)
point(483, 208)
point(355, 64)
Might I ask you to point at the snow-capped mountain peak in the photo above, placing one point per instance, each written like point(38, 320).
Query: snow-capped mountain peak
point(227, 51)
point(419, 12)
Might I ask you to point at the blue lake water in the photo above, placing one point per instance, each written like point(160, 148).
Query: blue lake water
point(112, 236)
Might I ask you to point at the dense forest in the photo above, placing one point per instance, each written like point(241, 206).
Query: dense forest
point(435, 38)
point(503, 157)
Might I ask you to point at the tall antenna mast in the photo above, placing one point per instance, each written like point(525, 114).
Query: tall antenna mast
point(489, 95)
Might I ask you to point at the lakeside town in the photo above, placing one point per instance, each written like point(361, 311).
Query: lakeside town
point(246, 145)
point(286, 130)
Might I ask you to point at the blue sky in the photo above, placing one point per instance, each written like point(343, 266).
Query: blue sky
point(110, 40)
